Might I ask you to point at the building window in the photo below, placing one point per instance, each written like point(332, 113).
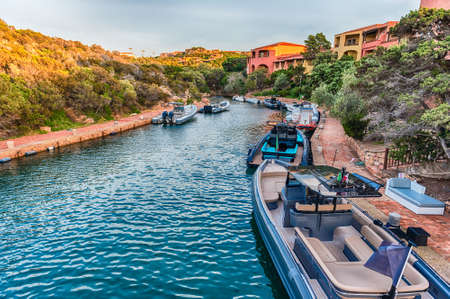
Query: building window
point(350, 42)
point(337, 42)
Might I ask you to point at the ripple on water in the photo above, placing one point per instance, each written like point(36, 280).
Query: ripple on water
point(156, 212)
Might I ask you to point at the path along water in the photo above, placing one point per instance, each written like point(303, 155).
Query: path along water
point(157, 212)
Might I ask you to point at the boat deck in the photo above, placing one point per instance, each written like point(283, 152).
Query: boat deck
point(257, 159)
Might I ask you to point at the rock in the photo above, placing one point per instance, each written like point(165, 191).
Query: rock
point(10, 144)
point(89, 121)
point(46, 129)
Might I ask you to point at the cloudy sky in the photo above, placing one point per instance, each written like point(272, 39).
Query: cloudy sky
point(167, 25)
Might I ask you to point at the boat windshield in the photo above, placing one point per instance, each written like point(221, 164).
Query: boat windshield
point(179, 109)
point(329, 181)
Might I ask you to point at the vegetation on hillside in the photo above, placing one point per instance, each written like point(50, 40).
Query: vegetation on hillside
point(62, 84)
point(398, 95)
point(401, 92)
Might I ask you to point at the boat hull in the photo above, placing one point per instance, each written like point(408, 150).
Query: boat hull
point(187, 117)
point(293, 278)
point(271, 105)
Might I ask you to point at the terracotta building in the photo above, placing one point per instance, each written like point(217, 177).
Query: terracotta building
point(275, 57)
point(445, 4)
point(363, 41)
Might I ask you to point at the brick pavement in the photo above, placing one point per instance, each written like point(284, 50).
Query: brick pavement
point(332, 140)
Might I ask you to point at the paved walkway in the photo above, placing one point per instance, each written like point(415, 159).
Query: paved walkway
point(329, 148)
point(41, 142)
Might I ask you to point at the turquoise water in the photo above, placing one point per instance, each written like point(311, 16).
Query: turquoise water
point(157, 212)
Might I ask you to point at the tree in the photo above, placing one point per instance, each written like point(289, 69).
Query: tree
point(214, 79)
point(260, 77)
point(298, 74)
point(235, 64)
point(282, 82)
point(316, 44)
point(424, 24)
point(235, 84)
point(322, 96)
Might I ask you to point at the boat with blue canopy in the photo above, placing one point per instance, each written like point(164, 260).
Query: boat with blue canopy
point(324, 246)
point(283, 142)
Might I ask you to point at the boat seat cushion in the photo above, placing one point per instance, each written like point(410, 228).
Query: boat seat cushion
point(325, 255)
point(358, 247)
point(399, 183)
point(418, 199)
point(304, 208)
point(374, 239)
point(354, 277)
point(343, 232)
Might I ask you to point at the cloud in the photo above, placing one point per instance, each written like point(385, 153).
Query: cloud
point(168, 25)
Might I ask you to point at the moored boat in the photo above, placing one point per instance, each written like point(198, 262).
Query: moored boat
point(272, 103)
point(253, 101)
point(238, 98)
point(215, 108)
point(179, 115)
point(305, 116)
point(283, 142)
point(321, 244)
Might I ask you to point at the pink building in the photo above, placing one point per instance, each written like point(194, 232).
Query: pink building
point(275, 57)
point(445, 4)
point(378, 36)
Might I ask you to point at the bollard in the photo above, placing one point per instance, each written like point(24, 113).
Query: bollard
point(394, 219)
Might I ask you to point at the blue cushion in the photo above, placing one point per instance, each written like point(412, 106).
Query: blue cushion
point(420, 200)
point(399, 183)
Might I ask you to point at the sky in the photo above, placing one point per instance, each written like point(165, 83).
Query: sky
point(150, 27)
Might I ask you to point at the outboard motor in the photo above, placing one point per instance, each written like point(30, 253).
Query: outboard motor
point(171, 117)
point(164, 117)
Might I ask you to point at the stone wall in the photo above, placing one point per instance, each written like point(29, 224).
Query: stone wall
point(371, 155)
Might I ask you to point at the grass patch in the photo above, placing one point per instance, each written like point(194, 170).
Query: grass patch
point(60, 121)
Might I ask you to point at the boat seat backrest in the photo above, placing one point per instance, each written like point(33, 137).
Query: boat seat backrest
point(339, 208)
point(360, 219)
point(343, 207)
point(372, 237)
point(325, 208)
point(321, 250)
point(358, 247)
point(305, 208)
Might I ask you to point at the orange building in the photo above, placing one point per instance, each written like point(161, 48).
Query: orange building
point(275, 57)
point(445, 4)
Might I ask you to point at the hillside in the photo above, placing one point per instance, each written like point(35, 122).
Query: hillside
point(63, 84)
point(197, 55)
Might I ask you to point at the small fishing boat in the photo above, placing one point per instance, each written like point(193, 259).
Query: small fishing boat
point(253, 101)
point(216, 108)
point(179, 115)
point(238, 98)
point(305, 116)
point(272, 103)
point(283, 142)
point(323, 246)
